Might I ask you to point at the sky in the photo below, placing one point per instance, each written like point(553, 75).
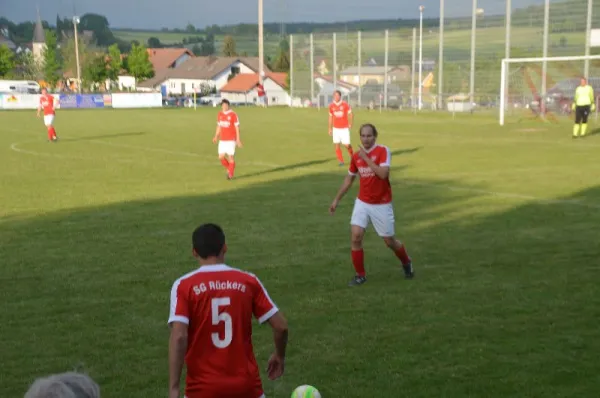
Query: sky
point(156, 14)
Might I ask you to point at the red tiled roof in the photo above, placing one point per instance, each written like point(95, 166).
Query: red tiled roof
point(163, 58)
point(244, 82)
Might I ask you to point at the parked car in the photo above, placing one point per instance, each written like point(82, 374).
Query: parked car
point(560, 96)
point(372, 95)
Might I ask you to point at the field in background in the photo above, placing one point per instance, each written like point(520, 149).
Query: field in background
point(501, 223)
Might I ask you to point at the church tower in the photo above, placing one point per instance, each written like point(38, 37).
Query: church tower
point(39, 41)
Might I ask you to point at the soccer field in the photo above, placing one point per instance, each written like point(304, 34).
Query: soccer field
point(502, 225)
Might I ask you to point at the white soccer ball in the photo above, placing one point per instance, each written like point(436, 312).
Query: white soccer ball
point(306, 391)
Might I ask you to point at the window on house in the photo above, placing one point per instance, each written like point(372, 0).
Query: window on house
point(193, 86)
point(235, 70)
point(273, 100)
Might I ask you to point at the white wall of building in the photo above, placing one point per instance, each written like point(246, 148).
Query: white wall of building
point(277, 96)
point(126, 83)
point(221, 79)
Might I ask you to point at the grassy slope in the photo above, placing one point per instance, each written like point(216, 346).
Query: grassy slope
point(501, 224)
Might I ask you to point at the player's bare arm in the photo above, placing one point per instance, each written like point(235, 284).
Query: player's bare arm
point(382, 172)
point(350, 119)
point(343, 189)
point(217, 134)
point(280, 337)
point(177, 350)
point(237, 136)
point(330, 124)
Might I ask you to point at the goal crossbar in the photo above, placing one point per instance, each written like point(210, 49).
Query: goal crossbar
point(507, 61)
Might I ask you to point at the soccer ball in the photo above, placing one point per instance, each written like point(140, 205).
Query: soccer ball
point(306, 391)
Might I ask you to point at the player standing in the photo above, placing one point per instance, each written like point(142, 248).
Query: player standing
point(48, 104)
point(583, 104)
point(228, 136)
point(340, 123)
point(374, 202)
point(211, 325)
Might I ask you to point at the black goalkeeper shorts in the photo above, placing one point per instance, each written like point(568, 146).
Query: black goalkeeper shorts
point(582, 113)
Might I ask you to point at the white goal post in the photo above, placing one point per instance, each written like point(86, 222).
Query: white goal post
point(504, 74)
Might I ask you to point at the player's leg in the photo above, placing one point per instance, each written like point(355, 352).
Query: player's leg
point(578, 118)
point(382, 217)
point(337, 140)
point(346, 142)
point(584, 119)
point(49, 122)
point(231, 170)
point(358, 224)
point(222, 152)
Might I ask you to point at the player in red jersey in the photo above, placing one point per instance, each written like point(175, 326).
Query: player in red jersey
point(211, 325)
point(48, 104)
point(228, 136)
point(340, 123)
point(374, 202)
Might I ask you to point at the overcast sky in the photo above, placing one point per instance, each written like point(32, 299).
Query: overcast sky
point(155, 14)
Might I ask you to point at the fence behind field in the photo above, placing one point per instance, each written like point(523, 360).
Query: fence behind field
point(84, 101)
point(452, 62)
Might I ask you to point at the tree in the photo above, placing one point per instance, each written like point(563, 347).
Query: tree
point(7, 61)
point(139, 63)
point(197, 50)
point(208, 45)
point(98, 24)
point(282, 63)
point(154, 42)
point(69, 56)
point(229, 46)
point(95, 71)
point(51, 60)
point(190, 28)
point(115, 63)
point(26, 67)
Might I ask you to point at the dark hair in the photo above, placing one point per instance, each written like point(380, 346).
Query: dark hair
point(369, 125)
point(225, 101)
point(338, 92)
point(208, 240)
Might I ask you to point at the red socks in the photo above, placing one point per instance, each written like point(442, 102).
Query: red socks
point(350, 151)
point(338, 153)
point(402, 255)
point(225, 163)
point(231, 169)
point(51, 133)
point(358, 260)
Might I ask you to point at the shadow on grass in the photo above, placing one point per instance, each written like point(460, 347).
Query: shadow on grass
point(501, 297)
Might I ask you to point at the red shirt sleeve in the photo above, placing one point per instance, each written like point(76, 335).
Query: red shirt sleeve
point(179, 304)
point(236, 121)
point(262, 305)
point(353, 170)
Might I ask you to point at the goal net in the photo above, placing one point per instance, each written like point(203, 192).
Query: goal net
point(544, 87)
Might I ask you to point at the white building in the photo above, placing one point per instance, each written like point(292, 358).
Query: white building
point(242, 89)
point(202, 74)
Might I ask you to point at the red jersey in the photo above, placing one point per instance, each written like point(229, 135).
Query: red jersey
point(228, 122)
point(47, 104)
point(218, 303)
point(339, 111)
point(260, 90)
point(372, 189)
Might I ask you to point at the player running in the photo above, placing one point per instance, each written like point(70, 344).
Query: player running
point(228, 136)
point(48, 104)
point(374, 202)
point(211, 325)
point(340, 123)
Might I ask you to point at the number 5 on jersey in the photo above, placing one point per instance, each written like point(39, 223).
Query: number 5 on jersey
point(217, 318)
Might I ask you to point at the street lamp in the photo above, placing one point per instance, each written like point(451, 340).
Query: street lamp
point(261, 49)
point(420, 82)
point(75, 23)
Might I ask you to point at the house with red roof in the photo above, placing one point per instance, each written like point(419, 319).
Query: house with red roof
point(242, 89)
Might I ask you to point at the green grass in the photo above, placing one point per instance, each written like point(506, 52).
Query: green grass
point(501, 223)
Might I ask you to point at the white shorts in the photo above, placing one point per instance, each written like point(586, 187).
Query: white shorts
point(227, 148)
point(381, 216)
point(341, 136)
point(48, 120)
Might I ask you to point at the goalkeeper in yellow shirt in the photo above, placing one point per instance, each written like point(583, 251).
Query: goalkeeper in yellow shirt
point(583, 104)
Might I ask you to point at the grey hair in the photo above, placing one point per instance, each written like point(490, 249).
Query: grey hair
point(64, 385)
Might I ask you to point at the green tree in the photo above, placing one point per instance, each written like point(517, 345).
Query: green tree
point(282, 63)
point(115, 63)
point(139, 63)
point(197, 50)
point(69, 56)
point(154, 42)
point(208, 45)
point(7, 61)
point(96, 70)
point(190, 28)
point(229, 46)
point(51, 61)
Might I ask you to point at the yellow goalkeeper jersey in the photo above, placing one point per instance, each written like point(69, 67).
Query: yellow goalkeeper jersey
point(584, 95)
